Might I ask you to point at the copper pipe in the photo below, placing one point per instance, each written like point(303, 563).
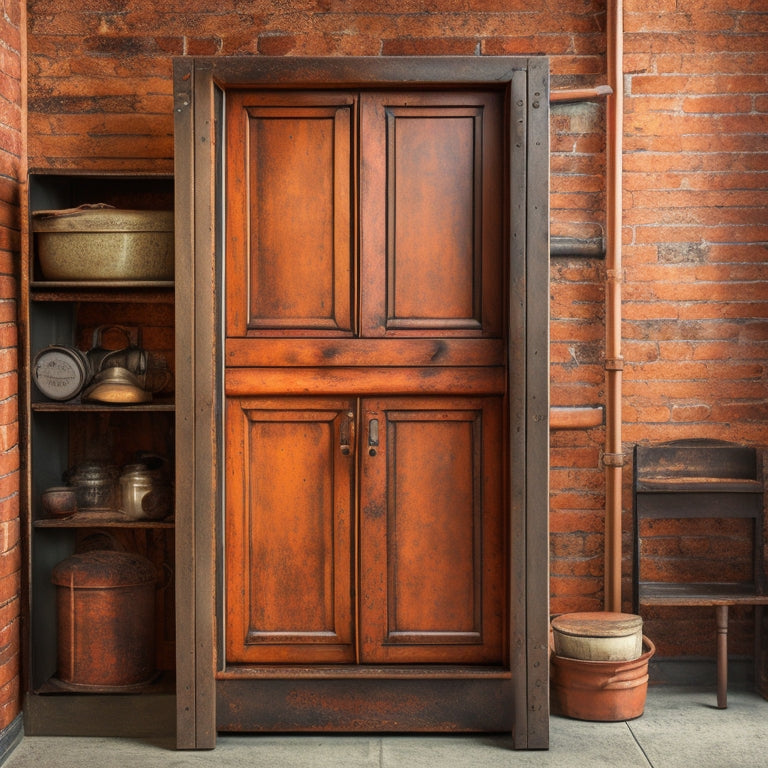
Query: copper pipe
point(721, 619)
point(579, 94)
point(613, 457)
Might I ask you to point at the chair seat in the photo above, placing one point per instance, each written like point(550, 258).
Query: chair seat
point(675, 593)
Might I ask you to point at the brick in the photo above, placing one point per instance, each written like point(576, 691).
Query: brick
point(675, 23)
point(10, 531)
point(10, 562)
point(9, 496)
point(9, 384)
point(580, 456)
point(9, 440)
point(566, 522)
point(10, 702)
point(429, 46)
point(539, 44)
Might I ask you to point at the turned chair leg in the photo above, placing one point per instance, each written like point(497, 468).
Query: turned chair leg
point(721, 616)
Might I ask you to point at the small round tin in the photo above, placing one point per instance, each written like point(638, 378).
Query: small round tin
point(60, 372)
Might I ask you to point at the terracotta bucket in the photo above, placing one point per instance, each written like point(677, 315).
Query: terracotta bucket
point(605, 691)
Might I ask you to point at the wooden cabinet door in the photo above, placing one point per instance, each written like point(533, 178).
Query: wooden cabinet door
point(431, 234)
point(290, 242)
point(364, 269)
point(289, 530)
point(431, 531)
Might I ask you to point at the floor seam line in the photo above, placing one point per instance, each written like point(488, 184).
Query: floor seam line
point(640, 746)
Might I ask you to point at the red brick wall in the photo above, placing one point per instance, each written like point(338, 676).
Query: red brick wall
point(695, 350)
point(695, 234)
point(11, 164)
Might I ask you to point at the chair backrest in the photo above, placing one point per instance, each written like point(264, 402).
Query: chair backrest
point(695, 479)
point(697, 459)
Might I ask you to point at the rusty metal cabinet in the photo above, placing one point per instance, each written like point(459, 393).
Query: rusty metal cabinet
point(58, 435)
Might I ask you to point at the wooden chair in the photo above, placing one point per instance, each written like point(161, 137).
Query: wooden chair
point(701, 479)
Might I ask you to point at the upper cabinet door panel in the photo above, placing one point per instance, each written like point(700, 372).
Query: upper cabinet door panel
point(431, 187)
point(290, 224)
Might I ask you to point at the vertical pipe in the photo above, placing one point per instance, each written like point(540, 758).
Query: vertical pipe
point(613, 457)
point(721, 618)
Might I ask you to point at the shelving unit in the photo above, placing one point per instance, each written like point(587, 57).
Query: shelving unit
point(701, 481)
point(61, 435)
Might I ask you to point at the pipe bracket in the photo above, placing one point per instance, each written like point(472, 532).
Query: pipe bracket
point(613, 459)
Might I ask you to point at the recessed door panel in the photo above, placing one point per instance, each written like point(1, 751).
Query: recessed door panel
point(290, 260)
point(431, 581)
point(430, 181)
point(289, 554)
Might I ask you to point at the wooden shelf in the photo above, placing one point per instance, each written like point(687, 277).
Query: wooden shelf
point(101, 519)
point(693, 484)
point(123, 292)
point(95, 285)
point(49, 406)
point(161, 683)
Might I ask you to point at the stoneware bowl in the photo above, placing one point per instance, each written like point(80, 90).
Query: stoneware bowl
point(59, 502)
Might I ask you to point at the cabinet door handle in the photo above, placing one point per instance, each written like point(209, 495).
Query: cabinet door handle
point(373, 436)
point(347, 433)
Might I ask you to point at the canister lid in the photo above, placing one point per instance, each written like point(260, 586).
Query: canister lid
point(598, 624)
point(99, 217)
point(60, 372)
point(103, 569)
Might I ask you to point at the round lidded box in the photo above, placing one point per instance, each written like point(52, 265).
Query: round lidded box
point(106, 635)
point(598, 636)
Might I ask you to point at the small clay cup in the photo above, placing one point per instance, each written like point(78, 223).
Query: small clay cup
point(59, 502)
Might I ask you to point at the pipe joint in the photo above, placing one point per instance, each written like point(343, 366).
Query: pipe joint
point(614, 364)
point(613, 459)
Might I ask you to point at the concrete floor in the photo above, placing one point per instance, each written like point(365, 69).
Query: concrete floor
point(680, 728)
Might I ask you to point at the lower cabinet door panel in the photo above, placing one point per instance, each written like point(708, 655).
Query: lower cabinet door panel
point(289, 532)
point(365, 531)
point(431, 530)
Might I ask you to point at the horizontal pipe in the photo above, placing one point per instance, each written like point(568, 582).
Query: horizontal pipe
point(579, 94)
point(575, 417)
point(593, 247)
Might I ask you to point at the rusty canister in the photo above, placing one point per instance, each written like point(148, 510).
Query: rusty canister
point(105, 608)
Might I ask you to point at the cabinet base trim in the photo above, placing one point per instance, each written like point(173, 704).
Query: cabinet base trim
point(108, 715)
point(383, 705)
point(341, 672)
